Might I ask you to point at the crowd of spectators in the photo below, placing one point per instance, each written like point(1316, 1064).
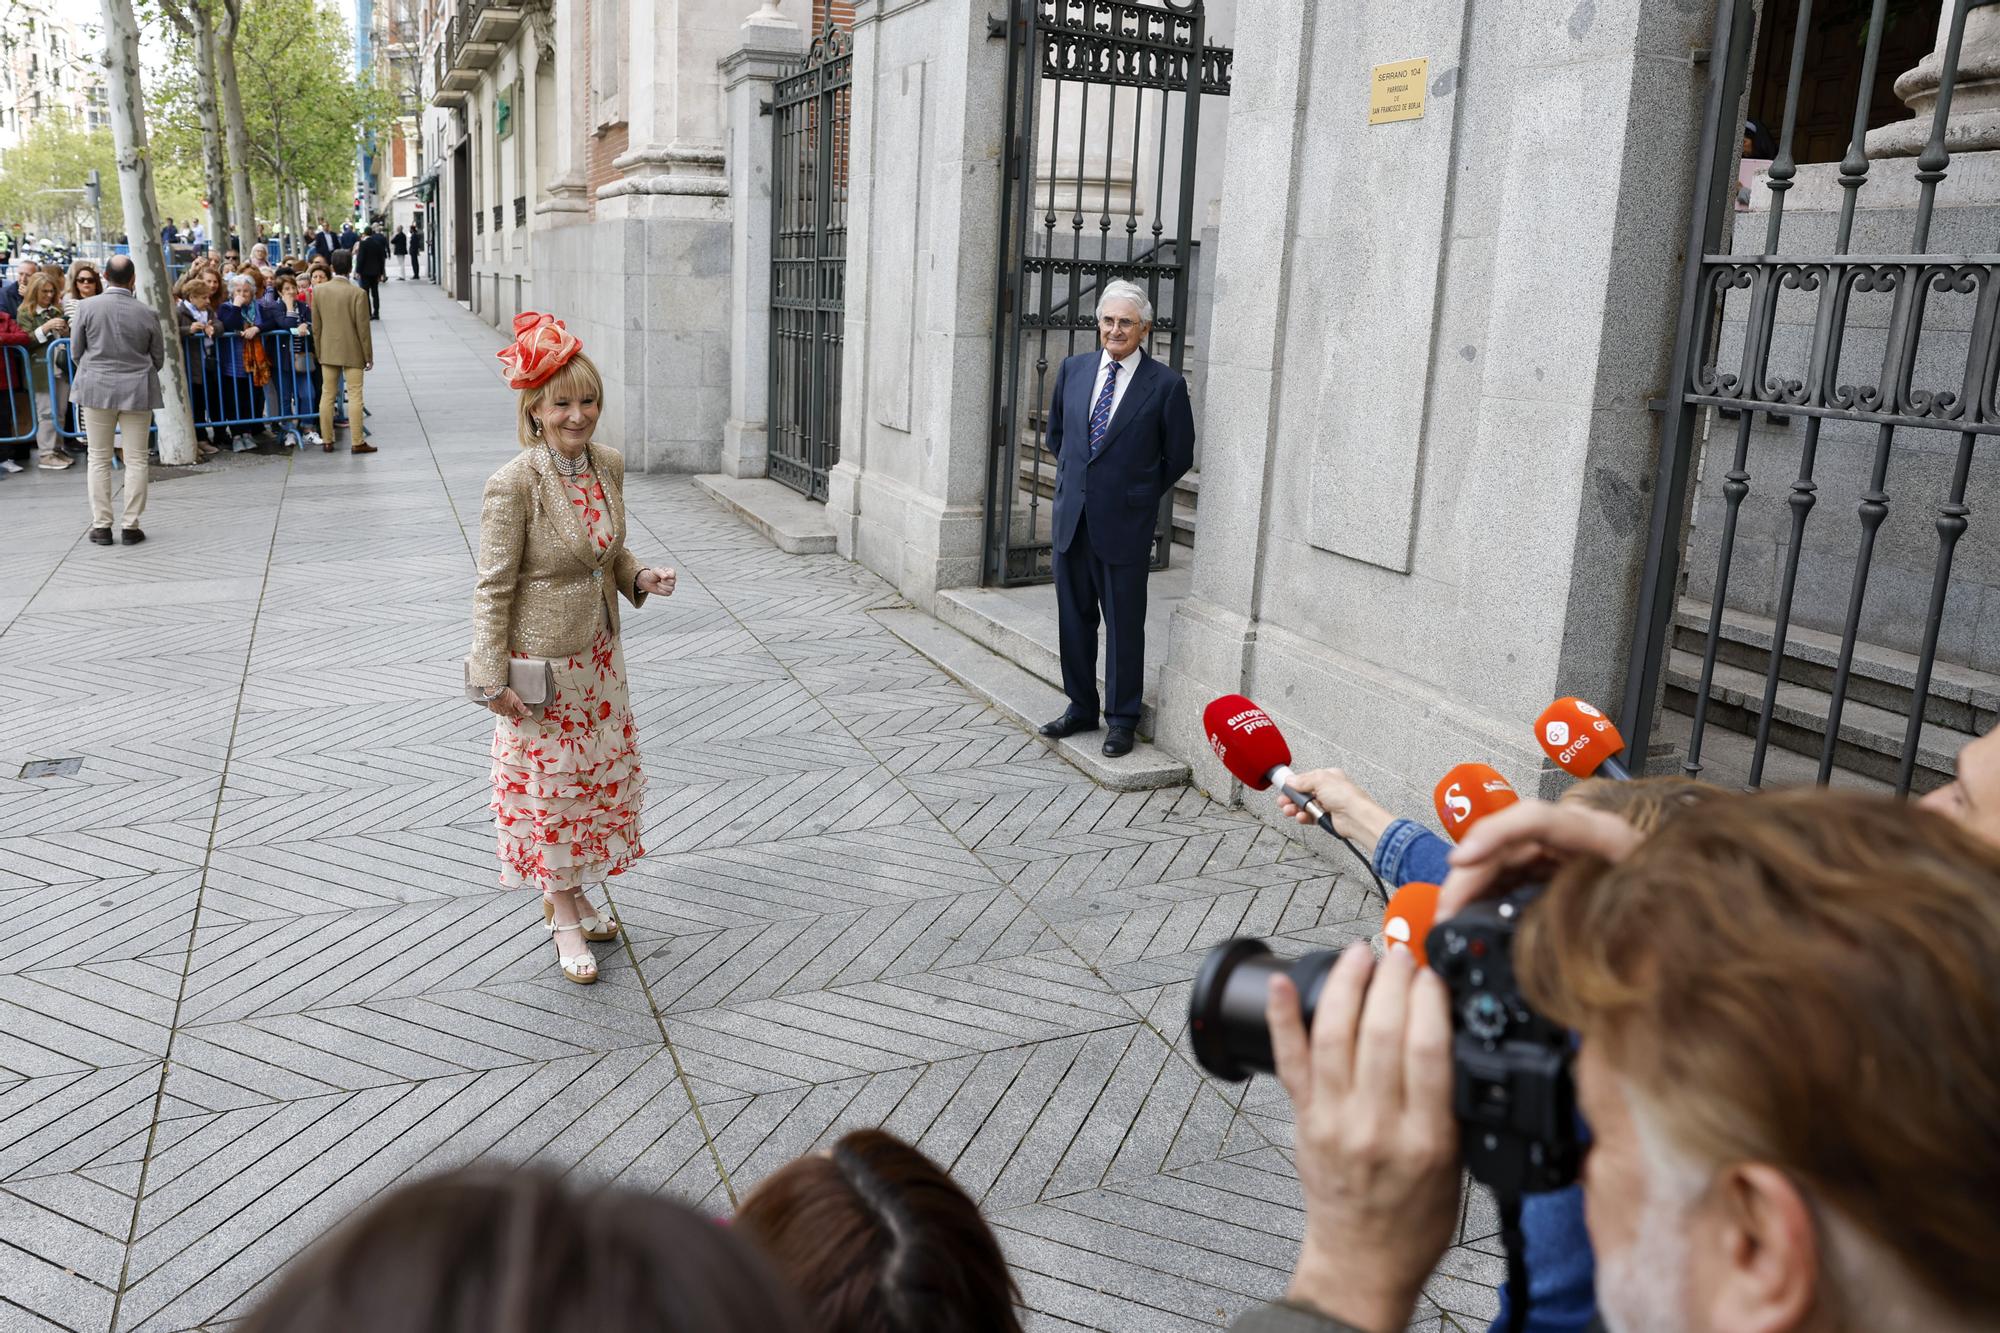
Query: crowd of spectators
point(242, 395)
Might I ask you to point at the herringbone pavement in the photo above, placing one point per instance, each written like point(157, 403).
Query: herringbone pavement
point(260, 970)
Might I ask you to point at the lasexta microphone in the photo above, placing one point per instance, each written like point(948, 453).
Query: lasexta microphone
point(1407, 921)
point(1249, 744)
point(1581, 740)
point(1468, 794)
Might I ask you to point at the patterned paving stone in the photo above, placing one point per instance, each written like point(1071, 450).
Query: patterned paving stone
point(273, 974)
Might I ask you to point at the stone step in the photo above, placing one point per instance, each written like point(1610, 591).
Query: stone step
point(1029, 637)
point(1871, 737)
point(1960, 697)
point(797, 525)
point(1726, 755)
point(1031, 701)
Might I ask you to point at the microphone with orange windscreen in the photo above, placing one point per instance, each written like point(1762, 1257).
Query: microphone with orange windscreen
point(1581, 740)
point(1468, 794)
point(1250, 746)
point(1409, 917)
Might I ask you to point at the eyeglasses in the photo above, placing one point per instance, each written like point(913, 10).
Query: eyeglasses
point(1117, 325)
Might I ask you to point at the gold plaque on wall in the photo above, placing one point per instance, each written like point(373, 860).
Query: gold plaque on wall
point(1396, 92)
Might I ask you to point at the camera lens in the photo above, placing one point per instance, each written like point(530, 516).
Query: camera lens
point(1226, 1009)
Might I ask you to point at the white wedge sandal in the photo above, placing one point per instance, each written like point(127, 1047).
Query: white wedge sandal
point(580, 968)
point(598, 927)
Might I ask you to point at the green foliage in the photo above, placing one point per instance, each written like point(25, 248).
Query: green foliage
point(58, 154)
point(304, 111)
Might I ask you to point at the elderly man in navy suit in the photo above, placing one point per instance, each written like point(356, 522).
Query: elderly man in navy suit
point(1122, 431)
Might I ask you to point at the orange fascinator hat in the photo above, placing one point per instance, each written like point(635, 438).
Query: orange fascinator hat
point(541, 347)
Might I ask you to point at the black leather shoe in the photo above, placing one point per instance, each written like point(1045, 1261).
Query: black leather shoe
point(102, 536)
point(1068, 725)
point(133, 536)
point(1117, 741)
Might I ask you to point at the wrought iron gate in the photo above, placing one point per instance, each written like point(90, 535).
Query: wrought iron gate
point(809, 159)
point(1103, 112)
point(1799, 329)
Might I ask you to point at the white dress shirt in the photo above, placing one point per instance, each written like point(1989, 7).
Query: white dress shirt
point(1126, 367)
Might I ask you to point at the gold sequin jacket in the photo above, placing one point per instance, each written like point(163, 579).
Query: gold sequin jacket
point(542, 581)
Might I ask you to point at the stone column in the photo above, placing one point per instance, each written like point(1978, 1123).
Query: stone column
point(907, 498)
point(567, 196)
point(1974, 121)
point(1215, 629)
point(674, 164)
point(771, 44)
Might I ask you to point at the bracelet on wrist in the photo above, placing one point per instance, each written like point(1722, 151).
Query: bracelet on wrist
point(488, 696)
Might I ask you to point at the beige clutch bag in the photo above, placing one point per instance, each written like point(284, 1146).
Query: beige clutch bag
point(532, 678)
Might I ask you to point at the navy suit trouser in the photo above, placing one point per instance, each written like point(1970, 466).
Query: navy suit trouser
point(1087, 590)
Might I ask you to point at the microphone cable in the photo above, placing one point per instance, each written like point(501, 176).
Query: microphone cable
point(1325, 820)
point(1515, 1242)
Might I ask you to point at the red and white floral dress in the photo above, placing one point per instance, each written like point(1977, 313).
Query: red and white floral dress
point(567, 787)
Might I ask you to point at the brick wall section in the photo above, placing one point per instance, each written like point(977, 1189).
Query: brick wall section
point(840, 11)
point(603, 148)
point(599, 149)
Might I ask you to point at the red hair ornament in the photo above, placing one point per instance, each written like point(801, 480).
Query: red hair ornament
point(541, 347)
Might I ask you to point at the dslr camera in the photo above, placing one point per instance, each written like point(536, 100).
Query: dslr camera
point(1513, 1084)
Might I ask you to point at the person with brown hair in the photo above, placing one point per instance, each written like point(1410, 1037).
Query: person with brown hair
point(482, 1250)
point(878, 1239)
point(1789, 1057)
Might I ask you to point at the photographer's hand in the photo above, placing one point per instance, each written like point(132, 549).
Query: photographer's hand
point(1354, 812)
point(1376, 1142)
point(1525, 835)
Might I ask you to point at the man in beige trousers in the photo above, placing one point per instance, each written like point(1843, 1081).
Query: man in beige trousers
point(117, 350)
point(340, 327)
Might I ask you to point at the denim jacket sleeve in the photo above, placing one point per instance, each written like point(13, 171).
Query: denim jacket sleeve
point(1409, 853)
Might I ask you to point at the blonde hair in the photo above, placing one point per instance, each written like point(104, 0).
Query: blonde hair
point(578, 376)
point(41, 278)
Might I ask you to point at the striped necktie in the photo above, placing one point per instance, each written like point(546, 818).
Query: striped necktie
point(1100, 415)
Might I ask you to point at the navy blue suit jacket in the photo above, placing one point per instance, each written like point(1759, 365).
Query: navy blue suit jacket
point(1148, 446)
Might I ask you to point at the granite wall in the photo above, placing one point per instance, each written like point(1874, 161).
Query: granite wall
point(649, 297)
point(1425, 482)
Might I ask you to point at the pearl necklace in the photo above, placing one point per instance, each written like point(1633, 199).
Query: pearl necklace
point(566, 467)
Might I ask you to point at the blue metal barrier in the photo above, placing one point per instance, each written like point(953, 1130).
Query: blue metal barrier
point(18, 422)
point(232, 404)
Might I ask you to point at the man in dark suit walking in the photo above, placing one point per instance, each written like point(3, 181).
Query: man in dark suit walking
point(348, 240)
point(1122, 430)
point(371, 265)
point(324, 241)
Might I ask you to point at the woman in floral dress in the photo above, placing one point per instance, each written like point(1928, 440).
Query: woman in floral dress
point(567, 786)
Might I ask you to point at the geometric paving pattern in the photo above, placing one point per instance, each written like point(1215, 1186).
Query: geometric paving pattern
point(261, 970)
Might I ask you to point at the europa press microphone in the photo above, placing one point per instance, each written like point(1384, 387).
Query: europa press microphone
point(1252, 748)
point(1581, 740)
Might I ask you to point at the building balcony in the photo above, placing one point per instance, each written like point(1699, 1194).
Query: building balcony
point(494, 23)
point(443, 92)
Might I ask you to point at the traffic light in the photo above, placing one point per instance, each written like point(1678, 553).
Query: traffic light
point(93, 188)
